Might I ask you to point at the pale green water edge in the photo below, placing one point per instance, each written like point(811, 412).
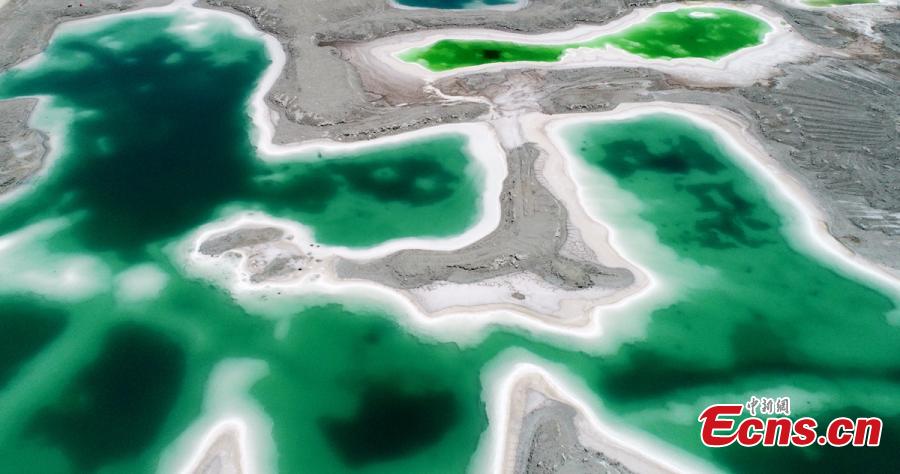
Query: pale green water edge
point(709, 33)
point(91, 382)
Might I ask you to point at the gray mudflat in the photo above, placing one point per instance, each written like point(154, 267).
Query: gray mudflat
point(22, 149)
point(532, 231)
point(236, 239)
point(832, 122)
point(548, 444)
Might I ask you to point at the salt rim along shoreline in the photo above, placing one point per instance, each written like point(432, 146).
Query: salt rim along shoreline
point(804, 224)
point(513, 373)
point(743, 67)
point(483, 146)
point(230, 416)
point(500, 383)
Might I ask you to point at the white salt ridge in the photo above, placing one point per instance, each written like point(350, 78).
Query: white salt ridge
point(227, 411)
point(744, 67)
point(493, 454)
point(507, 381)
point(27, 266)
point(140, 283)
point(805, 223)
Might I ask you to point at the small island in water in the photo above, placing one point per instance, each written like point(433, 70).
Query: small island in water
point(438, 236)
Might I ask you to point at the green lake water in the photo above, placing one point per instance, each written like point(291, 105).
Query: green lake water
point(709, 33)
point(132, 164)
point(159, 143)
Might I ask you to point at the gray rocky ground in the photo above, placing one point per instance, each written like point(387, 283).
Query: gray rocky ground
point(244, 237)
point(833, 122)
point(21, 148)
point(548, 444)
point(532, 232)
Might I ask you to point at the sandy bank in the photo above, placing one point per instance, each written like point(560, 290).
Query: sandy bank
point(613, 236)
point(806, 223)
point(812, 119)
point(22, 148)
point(517, 383)
point(475, 321)
point(232, 435)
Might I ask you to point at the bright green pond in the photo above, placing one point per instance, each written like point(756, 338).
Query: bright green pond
point(709, 33)
point(158, 143)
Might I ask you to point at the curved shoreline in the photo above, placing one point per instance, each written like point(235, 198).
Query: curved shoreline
point(228, 414)
point(501, 400)
point(788, 196)
point(483, 145)
point(508, 377)
point(780, 45)
point(806, 222)
point(829, 247)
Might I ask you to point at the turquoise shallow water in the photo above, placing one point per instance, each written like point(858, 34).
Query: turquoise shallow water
point(772, 319)
point(159, 142)
point(155, 176)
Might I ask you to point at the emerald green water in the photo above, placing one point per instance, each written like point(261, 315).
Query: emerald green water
point(709, 33)
point(92, 382)
point(181, 175)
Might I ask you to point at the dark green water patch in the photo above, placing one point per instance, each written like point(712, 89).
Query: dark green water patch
point(821, 458)
point(770, 317)
point(390, 423)
point(161, 142)
point(427, 181)
point(26, 327)
point(118, 404)
point(353, 390)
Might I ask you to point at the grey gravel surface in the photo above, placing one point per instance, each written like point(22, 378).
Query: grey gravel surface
point(832, 122)
point(548, 444)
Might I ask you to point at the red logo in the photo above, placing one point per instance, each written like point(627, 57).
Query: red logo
point(722, 425)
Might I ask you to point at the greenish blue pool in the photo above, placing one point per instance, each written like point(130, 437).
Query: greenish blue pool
point(701, 32)
point(159, 142)
point(128, 160)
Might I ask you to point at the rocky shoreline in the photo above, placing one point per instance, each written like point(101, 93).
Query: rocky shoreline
point(811, 118)
point(832, 122)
